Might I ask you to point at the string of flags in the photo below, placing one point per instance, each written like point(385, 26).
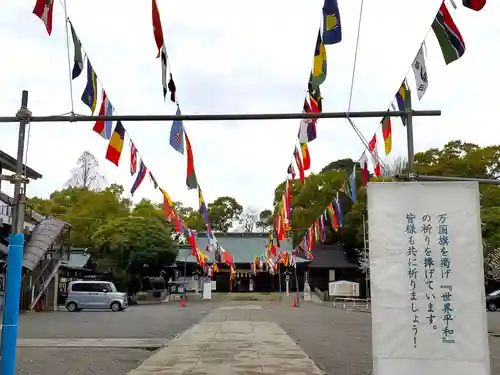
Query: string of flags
point(330, 32)
point(452, 47)
point(116, 135)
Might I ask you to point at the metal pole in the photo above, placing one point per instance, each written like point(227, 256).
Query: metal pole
point(15, 257)
point(185, 275)
point(279, 277)
point(409, 133)
point(224, 117)
point(297, 285)
point(454, 179)
point(366, 259)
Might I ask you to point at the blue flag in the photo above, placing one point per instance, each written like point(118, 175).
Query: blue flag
point(352, 182)
point(177, 134)
point(332, 30)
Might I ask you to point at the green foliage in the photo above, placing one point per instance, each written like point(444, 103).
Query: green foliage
point(137, 244)
point(456, 158)
point(223, 212)
point(84, 209)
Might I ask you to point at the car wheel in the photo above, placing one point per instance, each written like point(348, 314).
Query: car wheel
point(492, 306)
point(115, 306)
point(72, 307)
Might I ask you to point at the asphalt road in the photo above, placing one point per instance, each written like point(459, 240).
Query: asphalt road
point(152, 321)
point(339, 341)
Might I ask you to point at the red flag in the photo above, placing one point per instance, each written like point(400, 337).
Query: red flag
point(291, 171)
point(476, 5)
point(306, 158)
point(133, 158)
point(372, 146)
point(364, 167)
point(299, 164)
point(157, 30)
point(43, 9)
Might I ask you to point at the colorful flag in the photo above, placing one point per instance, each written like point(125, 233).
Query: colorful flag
point(306, 158)
point(115, 145)
point(372, 146)
point(333, 217)
point(401, 96)
point(78, 56)
point(203, 208)
point(153, 180)
point(332, 29)
point(191, 181)
point(318, 73)
point(101, 127)
point(89, 96)
point(177, 134)
point(157, 29)
point(164, 66)
point(133, 158)
point(476, 5)
point(338, 210)
point(420, 72)
point(298, 161)
point(387, 134)
point(143, 170)
point(364, 166)
point(44, 9)
point(315, 98)
point(291, 171)
point(172, 89)
point(167, 203)
point(352, 182)
point(307, 128)
point(449, 37)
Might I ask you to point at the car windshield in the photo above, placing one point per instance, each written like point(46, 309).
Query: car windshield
point(495, 293)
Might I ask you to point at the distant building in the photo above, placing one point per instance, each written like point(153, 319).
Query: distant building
point(329, 262)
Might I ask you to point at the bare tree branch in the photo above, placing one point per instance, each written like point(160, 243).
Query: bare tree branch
point(86, 173)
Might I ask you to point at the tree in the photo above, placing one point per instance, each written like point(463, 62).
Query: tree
point(223, 212)
point(86, 210)
point(249, 219)
point(134, 244)
point(86, 173)
point(265, 220)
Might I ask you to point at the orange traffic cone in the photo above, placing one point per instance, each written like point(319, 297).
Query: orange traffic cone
point(183, 303)
point(294, 301)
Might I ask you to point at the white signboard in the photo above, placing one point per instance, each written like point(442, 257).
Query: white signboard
point(428, 303)
point(207, 290)
point(343, 288)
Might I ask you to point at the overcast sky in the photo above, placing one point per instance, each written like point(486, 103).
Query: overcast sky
point(239, 57)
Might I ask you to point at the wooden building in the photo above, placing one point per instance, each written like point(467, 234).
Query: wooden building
point(331, 264)
point(243, 247)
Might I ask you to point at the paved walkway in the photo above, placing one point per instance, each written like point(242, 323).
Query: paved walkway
point(231, 340)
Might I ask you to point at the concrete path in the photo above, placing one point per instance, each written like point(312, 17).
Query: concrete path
point(231, 340)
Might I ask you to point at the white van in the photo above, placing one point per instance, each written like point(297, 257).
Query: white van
point(85, 294)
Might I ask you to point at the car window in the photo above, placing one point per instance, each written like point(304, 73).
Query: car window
point(80, 287)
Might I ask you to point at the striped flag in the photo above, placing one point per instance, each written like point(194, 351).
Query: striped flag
point(143, 170)
point(133, 158)
point(449, 37)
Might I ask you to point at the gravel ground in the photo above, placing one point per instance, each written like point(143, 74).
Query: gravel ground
point(339, 341)
point(151, 321)
point(86, 361)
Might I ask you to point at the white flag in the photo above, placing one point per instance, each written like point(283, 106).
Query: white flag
point(420, 72)
point(164, 58)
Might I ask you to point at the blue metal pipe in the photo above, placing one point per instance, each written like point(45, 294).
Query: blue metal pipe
point(11, 305)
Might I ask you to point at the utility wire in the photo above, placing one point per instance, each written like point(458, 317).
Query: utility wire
point(70, 75)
